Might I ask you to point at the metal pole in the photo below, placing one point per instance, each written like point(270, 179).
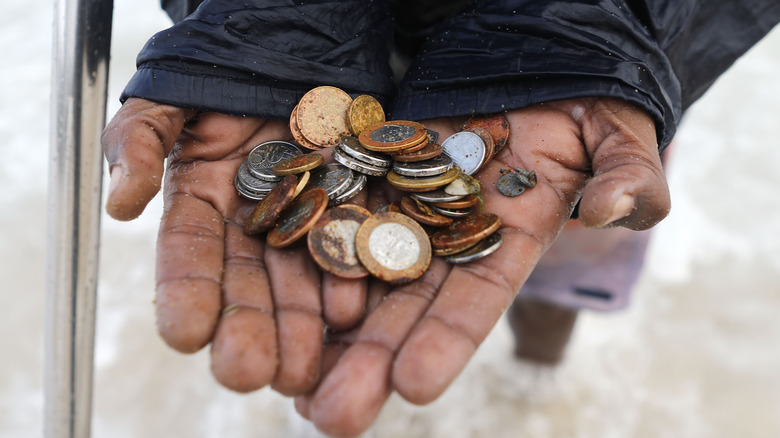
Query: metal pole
point(82, 37)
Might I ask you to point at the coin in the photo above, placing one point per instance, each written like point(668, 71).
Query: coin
point(470, 229)
point(267, 211)
point(395, 207)
point(303, 180)
point(464, 185)
point(442, 252)
point(393, 136)
point(466, 149)
point(352, 147)
point(250, 186)
point(333, 178)
point(408, 184)
point(485, 247)
point(488, 140)
point(358, 183)
point(332, 242)
point(264, 156)
point(413, 210)
point(358, 166)
point(437, 196)
point(296, 132)
point(496, 124)
point(464, 202)
point(431, 150)
point(298, 218)
point(434, 166)
point(322, 115)
point(452, 212)
point(297, 164)
point(363, 112)
point(510, 184)
point(393, 247)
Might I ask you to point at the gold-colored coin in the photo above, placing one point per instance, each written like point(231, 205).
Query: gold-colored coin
point(363, 112)
point(393, 247)
point(303, 179)
point(322, 115)
point(421, 184)
point(296, 132)
point(297, 164)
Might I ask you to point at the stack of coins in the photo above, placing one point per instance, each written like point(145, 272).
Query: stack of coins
point(255, 177)
point(350, 153)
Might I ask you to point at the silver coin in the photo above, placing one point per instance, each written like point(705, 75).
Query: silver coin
point(436, 196)
point(250, 182)
point(352, 147)
point(487, 246)
point(334, 178)
point(452, 212)
point(264, 156)
point(434, 166)
point(358, 183)
point(358, 166)
point(466, 149)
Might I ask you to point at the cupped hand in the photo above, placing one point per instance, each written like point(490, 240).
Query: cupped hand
point(259, 307)
point(418, 337)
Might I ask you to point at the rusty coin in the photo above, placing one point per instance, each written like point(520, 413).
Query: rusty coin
point(322, 115)
point(467, 230)
point(413, 210)
point(443, 252)
point(393, 136)
point(298, 218)
point(363, 112)
point(298, 164)
point(431, 150)
point(393, 247)
point(296, 132)
point(332, 242)
point(510, 184)
point(496, 124)
point(489, 144)
point(483, 248)
point(267, 211)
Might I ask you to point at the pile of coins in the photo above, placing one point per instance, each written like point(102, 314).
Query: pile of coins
point(299, 196)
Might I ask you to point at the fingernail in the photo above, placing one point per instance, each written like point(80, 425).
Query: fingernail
point(117, 175)
point(623, 207)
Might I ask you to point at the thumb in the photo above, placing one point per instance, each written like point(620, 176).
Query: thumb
point(135, 144)
point(628, 188)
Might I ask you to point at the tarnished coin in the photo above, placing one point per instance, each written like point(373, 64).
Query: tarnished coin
point(303, 180)
point(298, 218)
point(358, 166)
point(408, 184)
point(489, 144)
point(267, 211)
point(296, 132)
point(496, 124)
point(358, 208)
point(510, 184)
point(363, 112)
point(470, 229)
point(434, 166)
point(431, 150)
point(393, 247)
point(466, 149)
point(334, 178)
point(352, 147)
point(483, 248)
point(322, 115)
point(249, 186)
point(413, 148)
point(358, 183)
point(443, 252)
point(433, 136)
point(437, 196)
point(464, 202)
point(332, 242)
point(452, 212)
point(464, 185)
point(393, 136)
point(413, 210)
point(264, 156)
point(297, 164)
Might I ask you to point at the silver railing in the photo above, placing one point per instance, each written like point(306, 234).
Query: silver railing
point(81, 48)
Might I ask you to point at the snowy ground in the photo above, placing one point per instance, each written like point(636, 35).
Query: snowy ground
point(696, 355)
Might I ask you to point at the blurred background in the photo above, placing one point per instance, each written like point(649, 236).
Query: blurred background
point(697, 354)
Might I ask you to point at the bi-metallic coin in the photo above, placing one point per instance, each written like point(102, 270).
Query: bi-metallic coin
point(393, 247)
point(393, 136)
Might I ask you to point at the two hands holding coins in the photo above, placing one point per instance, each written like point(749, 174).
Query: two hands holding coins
point(264, 309)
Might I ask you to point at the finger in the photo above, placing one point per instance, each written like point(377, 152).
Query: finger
point(629, 187)
point(295, 283)
point(135, 144)
point(331, 353)
point(190, 249)
point(352, 394)
point(344, 301)
point(243, 353)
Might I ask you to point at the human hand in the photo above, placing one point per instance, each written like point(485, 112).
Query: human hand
point(418, 337)
point(259, 307)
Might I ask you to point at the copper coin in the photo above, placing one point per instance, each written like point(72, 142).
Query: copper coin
point(413, 210)
point(298, 164)
point(464, 202)
point(431, 150)
point(466, 149)
point(322, 115)
point(483, 248)
point(393, 247)
point(296, 132)
point(358, 208)
point(265, 214)
point(496, 124)
point(363, 112)
point(443, 252)
point(332, 242)
point(467, 230)
point(298, 218)
point(414, 147)
point(393, 136)
point(489, 144)
point(421, 184)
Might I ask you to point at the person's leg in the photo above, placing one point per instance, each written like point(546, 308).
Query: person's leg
point(541, 330)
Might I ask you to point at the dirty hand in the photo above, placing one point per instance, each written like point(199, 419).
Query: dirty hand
point(417, 338)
